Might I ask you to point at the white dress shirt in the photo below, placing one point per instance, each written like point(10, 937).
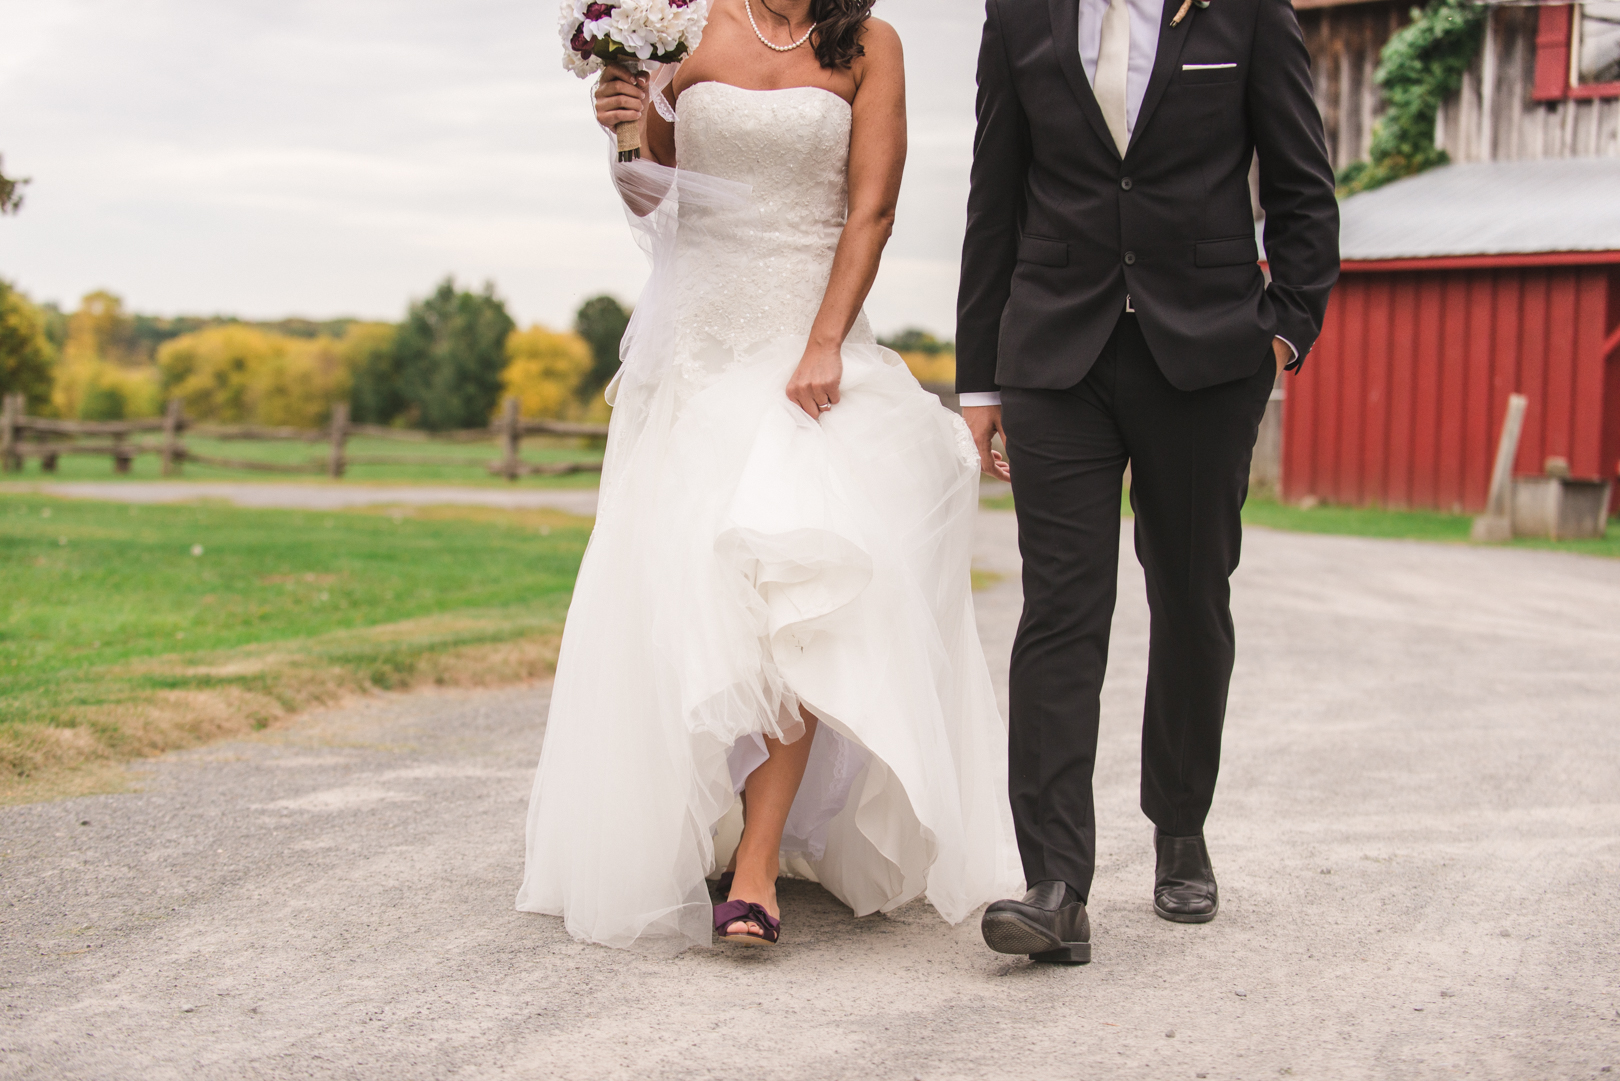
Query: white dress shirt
point(1146, 16)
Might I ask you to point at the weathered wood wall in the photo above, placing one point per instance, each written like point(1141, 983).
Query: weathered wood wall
point(1344, 42)
point(1492, 118)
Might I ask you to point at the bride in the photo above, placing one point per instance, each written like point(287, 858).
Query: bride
point(772, 627)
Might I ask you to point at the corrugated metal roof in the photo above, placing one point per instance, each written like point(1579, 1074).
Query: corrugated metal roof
point(1488, 208)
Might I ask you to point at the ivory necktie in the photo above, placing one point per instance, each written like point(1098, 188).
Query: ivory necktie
point(1113, 67)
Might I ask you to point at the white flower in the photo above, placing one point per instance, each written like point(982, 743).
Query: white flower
point(645, 29)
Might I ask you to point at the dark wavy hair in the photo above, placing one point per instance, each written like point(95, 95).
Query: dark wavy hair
point(839, 23)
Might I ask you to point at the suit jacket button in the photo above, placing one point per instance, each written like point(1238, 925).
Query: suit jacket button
point(1126, 183)
point(1130, 258)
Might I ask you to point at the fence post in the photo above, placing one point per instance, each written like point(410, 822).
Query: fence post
point(340, 433)
point(1496, 524)
point(122, 455)
point(511, 437)
point(8, 434)
point(171, 439)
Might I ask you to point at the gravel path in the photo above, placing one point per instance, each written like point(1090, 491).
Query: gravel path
point(1416, 836)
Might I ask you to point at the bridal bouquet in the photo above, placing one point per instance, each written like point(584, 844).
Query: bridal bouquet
point(629, 32)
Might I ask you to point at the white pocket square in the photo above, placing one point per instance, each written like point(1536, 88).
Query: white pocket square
point(1206, 67)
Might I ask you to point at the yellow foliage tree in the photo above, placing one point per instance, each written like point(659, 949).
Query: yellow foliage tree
point(544, 370)
point(100, 329)
point(91, 389)
point(102, 375)
point(243, 375)
point(931, 367)
point(363, 342)
point(27, 358)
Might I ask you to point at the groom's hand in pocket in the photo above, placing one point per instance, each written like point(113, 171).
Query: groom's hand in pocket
point(984, 421)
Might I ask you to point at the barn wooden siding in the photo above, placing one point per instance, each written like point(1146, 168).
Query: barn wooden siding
point(1400, 404)
point(1492, 117)
point(1344, 43)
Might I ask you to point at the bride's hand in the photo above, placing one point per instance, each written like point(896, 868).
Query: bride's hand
point(621, 96)
point(814, 386)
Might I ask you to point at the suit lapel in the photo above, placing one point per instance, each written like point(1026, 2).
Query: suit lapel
point(1066, 39)
point(1166, 62)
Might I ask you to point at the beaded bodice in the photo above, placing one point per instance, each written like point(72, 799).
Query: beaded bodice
point(756, 273)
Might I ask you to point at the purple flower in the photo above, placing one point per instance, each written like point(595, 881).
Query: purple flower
point(597, 11)
point(582, 44)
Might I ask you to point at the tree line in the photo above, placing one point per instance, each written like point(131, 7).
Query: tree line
point(448, 364)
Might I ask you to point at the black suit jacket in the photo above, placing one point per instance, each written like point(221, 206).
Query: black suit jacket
point(1060, 229)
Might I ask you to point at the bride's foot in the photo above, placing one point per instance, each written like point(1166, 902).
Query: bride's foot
point(750, 913)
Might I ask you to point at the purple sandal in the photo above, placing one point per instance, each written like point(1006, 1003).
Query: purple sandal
point(746, 912)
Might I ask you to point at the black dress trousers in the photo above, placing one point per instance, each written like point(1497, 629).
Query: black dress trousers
point(1189, 453)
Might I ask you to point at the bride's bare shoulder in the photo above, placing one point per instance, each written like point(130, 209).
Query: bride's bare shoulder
point(725, 13)
point(880, 50)
point(880, 42)
point(720, 30)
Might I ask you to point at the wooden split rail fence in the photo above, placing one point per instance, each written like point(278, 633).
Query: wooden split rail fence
point(47, 439)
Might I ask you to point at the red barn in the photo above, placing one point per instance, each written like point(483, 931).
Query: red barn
point(1462, 286)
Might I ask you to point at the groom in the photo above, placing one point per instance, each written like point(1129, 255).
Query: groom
point(1112, 310)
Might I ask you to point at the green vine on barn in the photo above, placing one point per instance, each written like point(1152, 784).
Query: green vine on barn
point(1420, 68)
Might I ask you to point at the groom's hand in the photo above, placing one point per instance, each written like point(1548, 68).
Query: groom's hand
point(1284, 353)
point(984, 421)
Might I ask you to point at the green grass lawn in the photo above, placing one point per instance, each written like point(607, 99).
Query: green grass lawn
point(1423, 525)
point(108, 607)
point(460, 463)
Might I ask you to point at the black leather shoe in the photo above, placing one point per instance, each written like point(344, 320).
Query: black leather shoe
point(1040, 925)
point(1184, 889)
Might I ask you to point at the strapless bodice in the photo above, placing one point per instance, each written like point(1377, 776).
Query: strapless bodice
point(757, 272)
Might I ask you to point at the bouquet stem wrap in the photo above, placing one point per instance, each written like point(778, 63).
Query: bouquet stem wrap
point(629, 132)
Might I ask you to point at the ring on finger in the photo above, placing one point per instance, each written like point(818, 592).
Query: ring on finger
point(824, 406)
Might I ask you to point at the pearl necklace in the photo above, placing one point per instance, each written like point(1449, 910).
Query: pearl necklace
point(767, 41)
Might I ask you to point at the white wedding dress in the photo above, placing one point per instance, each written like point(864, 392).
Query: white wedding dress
point(748, 559)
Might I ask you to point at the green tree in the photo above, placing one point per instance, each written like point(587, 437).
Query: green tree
point(26, 354)
point(601, 321)
point(370, 355)
point(1420, 67)
point(914, 340)
point(56, 324)
point(378, 397)
point(11, 199)
point(448, 358)
point(103, 401)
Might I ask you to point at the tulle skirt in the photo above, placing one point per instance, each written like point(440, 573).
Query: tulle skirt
point(748, 560)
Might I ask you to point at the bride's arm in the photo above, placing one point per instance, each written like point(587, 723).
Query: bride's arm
point(877, 157)
point(622, 97)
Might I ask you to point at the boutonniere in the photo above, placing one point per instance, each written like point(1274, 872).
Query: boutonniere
point(1187, 5)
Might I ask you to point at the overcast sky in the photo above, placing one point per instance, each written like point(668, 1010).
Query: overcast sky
point(338, 157)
